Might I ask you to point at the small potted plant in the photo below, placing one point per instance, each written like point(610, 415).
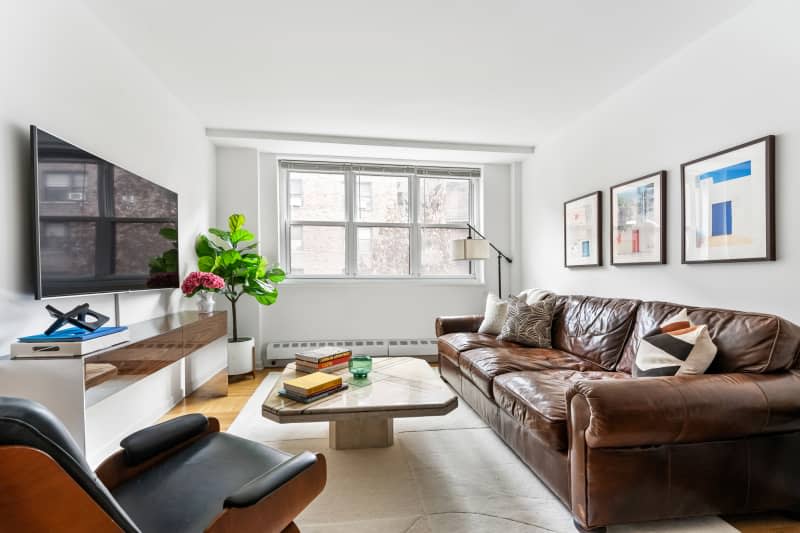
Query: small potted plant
point(231, 255)
point(205, 284)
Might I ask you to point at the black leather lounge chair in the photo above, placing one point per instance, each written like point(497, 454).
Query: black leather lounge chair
point(178, 476)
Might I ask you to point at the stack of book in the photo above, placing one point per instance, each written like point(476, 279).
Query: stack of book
point(312, 387)
point(69, 342)
point(328, 359)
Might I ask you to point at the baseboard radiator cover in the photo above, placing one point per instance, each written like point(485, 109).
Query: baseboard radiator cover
point(280, 353)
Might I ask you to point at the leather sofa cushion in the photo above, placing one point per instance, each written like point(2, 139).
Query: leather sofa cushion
point(593, 328)
point(482, 365)
point(746, 342)
point(451, 344)
point(538, 400)
point(175, 495)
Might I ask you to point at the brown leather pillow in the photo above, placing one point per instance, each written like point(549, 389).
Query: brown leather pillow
point(529, 325)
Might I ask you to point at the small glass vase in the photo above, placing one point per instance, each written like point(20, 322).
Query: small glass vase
point(360, 366)
point(205, 302)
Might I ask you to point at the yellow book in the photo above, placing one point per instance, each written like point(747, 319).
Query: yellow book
point(312, 383)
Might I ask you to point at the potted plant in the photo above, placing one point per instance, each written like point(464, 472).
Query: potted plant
point(205, 284)
point(231, 255)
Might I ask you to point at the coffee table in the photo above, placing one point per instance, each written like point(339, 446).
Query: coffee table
point(362, 416)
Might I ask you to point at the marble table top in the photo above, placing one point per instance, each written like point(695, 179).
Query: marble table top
point(397, 387)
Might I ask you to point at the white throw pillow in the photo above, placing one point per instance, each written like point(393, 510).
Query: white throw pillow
point(677, 347)
point(532, 296)
point(495, 315)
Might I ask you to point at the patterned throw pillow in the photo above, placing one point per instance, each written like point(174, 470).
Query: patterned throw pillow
point(678, 347)
point(529, 325)
point(495, 315)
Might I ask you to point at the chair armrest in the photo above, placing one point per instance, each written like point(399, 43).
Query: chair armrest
point(458, 324)
point(147, 443)
point(253, 491)
point(680, 409)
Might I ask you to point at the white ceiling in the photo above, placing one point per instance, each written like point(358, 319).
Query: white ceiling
point(489, 71)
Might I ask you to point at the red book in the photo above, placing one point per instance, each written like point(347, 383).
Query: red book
point(325, 364)
point(321, 355)
point(311, 369)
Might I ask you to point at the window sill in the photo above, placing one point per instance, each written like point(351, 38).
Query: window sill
point(382, 282)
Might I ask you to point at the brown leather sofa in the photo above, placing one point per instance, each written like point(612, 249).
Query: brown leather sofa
point(617, 449)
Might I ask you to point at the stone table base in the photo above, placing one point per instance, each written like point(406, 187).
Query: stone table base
point(363, 432)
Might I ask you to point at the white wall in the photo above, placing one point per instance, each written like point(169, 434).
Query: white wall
point(238, 192)
point(65, 72)
point(358, 309)
point(739, 82)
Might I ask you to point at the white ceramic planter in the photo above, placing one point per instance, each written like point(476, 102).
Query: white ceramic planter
point(240, 356)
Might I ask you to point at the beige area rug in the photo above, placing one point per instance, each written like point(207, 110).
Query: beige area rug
point(448, 474)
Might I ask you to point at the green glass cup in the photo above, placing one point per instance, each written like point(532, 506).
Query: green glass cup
point(360, 366)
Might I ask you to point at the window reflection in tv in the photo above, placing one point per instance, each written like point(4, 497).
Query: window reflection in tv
point(100, 227)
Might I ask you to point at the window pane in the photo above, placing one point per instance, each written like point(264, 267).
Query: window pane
point(317, 250)
point(382, 198)
point(68, 189)
point(383, 251)
point(444, 201)
point(67, 248)
point(436, 250)
point(136, 197)
point(315, 196)
point(296, 192)
point(137, 244)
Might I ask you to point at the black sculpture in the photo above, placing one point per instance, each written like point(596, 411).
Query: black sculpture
point(76, 317)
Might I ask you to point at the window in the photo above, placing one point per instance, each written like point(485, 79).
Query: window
point(64, 187)
point(296, 193)
point(364, 198)
point(365, 220)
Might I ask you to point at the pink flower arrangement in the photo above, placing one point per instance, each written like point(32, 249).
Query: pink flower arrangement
point(201, 281)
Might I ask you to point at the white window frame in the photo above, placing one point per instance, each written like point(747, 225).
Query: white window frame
point(350, 169)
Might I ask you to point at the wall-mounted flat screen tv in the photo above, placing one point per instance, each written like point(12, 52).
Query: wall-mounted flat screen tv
point(98, 227)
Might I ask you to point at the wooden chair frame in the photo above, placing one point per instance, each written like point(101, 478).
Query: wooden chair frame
point(31, 480)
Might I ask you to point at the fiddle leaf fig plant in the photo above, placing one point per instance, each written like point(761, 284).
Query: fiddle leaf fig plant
point(231, 256)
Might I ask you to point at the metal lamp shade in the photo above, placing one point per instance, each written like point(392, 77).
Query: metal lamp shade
point(470, 249)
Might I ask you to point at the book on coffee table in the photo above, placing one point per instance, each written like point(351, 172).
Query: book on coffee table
point(328, 366)
point(312, 384)
point(322, 355)
point(328, 359)
point(314, 398)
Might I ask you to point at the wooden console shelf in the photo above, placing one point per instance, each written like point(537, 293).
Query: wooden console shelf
point(154, 345)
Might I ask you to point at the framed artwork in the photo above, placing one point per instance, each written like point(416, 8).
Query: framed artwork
point(728, 205)
point(639, 221)
point(582, 231)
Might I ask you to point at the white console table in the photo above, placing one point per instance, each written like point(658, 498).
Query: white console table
point(103, 396)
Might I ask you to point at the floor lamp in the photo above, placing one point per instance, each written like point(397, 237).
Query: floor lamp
point(470, 249)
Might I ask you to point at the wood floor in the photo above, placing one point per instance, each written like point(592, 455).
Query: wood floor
point(224, 409)
point(227, 408)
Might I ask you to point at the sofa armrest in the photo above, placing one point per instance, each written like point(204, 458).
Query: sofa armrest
point(680, 409)
point(251, 492)
point(458, 324)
